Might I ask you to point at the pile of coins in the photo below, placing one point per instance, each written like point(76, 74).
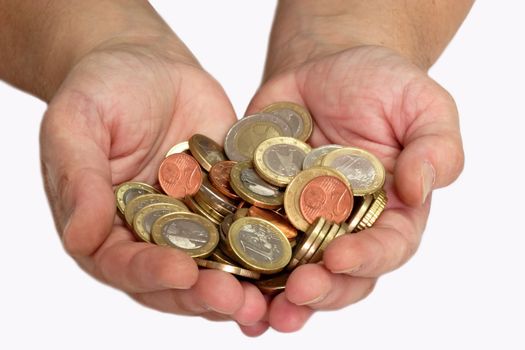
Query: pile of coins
point(261, 206)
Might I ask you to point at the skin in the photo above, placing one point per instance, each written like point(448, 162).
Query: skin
point(122, 89)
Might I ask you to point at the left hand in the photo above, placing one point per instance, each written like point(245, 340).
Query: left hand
point(369, 97)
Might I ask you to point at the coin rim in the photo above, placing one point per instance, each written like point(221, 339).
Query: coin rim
point(180, 147)
point(303, 113)
point(138, 219)
point(121, 190)
point(197, 151)
point(161, 198)
point(354, 219)
point(236, 270)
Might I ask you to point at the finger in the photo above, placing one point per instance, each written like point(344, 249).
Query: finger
point(314, 286)
point(140, 267)
point(287, 317)
point(254, 307)
point(280, 88)
point(433, 153)
point(74, 154)
point(256, 329)
point(392, 240)
point(215, 292)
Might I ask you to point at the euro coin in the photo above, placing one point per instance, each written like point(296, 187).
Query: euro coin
point(277, 219)
point(363, 170)
point(292, 195)
point(278, 160)
point(317, 256)
point(206, 151)
point(359, 211)
point(274, 285)
point(295, 115)
point(259, 245)
point(253, 189)
point(145, 218)
point(127, 191)
point(372, 214)
point(315, 157)
point(235, 270)
point(317, 242)
point(180, 175)
point(215, 199)
point(220, 178)
point(182, 147)
point(198, 209)
point(140, 202)
point(189, 232)
point(247, 133)
point(306, 242)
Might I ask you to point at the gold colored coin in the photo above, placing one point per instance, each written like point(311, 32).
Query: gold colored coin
point(294, 189)
point(215, 199)
point(140, 202)
point(208, 209)
point(296, 116)
point(145, 218)
point(259, 245)
point(239, 271)
point(364, 171)
point(327, 228)
point(372, 214)
point(127, 191)
point(308, 239)
point(359, 211)
point(190, 232)
point(206, 151)
point(279, 159)
point(253, 189)
point(219, 256)
point(179, 148)
point(329, 237)
point(273, 285)
point(240, 213)
point(196, 208)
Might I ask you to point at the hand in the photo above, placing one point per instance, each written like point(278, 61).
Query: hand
point(373, 98)
point(113, 119)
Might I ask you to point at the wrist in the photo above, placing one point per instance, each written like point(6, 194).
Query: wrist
point(304, 30)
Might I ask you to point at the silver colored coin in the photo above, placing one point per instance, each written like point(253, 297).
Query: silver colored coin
point(315, 157)
point(284, 159)
point(133, 193)
point(257, 185)
point(260, 244)
point(359, 171)
point(151, 217)
point(217, 200)
point(185, 234)
point(248, 132)
point(292, 118)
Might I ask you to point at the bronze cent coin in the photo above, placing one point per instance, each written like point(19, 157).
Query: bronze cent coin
point(220, 178)
point(180, 175)
point(326, 196)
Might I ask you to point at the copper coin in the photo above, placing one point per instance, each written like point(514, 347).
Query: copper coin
point(327, 197)
point(220, 178)
point(180, 175)
point(278, 220)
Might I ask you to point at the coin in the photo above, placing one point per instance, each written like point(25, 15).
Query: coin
point(315, 157)
point(179, 148)
point(279, 159)
point(273, 285)
point(240, 213)
point(292, 195)
point(302, 247)
point(247, 133)
point(359, 212)
point(334, 231)
point(206, 151)
point(145, 218)
point(180, 175)
point(363, 170)
point(220, 178)
point(186, 231)
point(259, 245)
point(317, 242)
point(224, 244)
point(228, 268)
point(198, 209)
point(218, 217)
point(140, 202)
point(215, 199)
point(127, 191)
point(326, 196)
point(219, 256)
point(249, 186)
point(278, 220)
point(296, 116)
point(372, 214)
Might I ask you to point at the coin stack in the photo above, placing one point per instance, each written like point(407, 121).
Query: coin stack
point(261, 206)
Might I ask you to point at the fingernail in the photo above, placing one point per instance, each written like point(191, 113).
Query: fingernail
point(314, 300)
point(212, 309)
point(428, 177)
point(350, 270)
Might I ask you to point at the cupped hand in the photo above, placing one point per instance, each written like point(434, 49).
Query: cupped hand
point(115, 116)
point(373, 98)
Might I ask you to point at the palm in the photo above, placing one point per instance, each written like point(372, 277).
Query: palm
point(374, 99)
point(113, 120)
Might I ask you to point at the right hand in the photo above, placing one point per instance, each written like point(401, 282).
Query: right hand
point(119, 110)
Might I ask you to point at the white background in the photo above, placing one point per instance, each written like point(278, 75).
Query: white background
point(464, 288)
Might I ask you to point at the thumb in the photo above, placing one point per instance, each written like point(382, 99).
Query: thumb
point(77, 174)
point(433, 153)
